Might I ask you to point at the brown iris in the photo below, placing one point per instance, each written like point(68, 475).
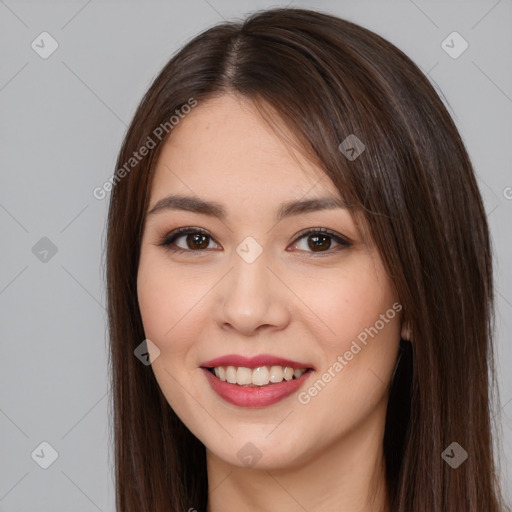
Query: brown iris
point(318, 243)
point(194, 241)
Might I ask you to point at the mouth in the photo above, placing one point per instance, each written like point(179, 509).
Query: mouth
point(257, 381)
point(258, 377)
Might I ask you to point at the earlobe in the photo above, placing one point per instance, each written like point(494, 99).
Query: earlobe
point(405, 333)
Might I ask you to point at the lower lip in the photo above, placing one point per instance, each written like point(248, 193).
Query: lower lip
point(254, 396)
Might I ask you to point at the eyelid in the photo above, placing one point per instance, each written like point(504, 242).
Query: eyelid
point(333, 234)
point(342, 241)
point(171, 237)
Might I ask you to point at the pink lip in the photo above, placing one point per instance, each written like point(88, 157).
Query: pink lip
point(253, 362)
point(247, 396)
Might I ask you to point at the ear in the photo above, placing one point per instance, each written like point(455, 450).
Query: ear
point(405, 333)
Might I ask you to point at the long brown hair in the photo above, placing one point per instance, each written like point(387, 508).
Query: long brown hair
point(414, 184)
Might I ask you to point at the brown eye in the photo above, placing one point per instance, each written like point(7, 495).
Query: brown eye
point(319, 242)
point(194, 240)
point(197, 241)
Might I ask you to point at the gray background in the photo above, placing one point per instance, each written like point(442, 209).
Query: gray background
point(62, 120)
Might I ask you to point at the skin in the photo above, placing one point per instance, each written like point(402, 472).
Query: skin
point(292, 302)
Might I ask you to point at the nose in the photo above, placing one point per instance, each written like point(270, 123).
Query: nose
point(254, 299)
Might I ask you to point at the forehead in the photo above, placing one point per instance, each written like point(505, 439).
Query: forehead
point(224, 148)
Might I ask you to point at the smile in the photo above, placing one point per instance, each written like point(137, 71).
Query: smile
point(257, 381)
point(250, 395)
point(256, 377)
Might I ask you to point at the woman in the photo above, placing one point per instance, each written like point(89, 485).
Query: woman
point(298, 256)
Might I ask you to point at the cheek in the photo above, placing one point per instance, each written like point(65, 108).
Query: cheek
point(358, 359)
point(167, 304)
point(156, 303)
point(348, 304)
point(167, 298)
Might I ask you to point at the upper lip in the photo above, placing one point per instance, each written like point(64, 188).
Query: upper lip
point(253, 362)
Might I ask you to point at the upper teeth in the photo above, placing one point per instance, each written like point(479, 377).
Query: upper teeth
point(260, 376)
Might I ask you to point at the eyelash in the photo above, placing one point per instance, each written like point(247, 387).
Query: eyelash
point(168, 239)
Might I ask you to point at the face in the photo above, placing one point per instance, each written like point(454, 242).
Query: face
point(261, 293)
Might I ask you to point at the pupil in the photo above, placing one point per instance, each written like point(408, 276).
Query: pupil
point(195, 239)
point(317, 242)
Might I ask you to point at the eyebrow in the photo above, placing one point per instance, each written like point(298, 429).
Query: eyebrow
point(214, 209)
